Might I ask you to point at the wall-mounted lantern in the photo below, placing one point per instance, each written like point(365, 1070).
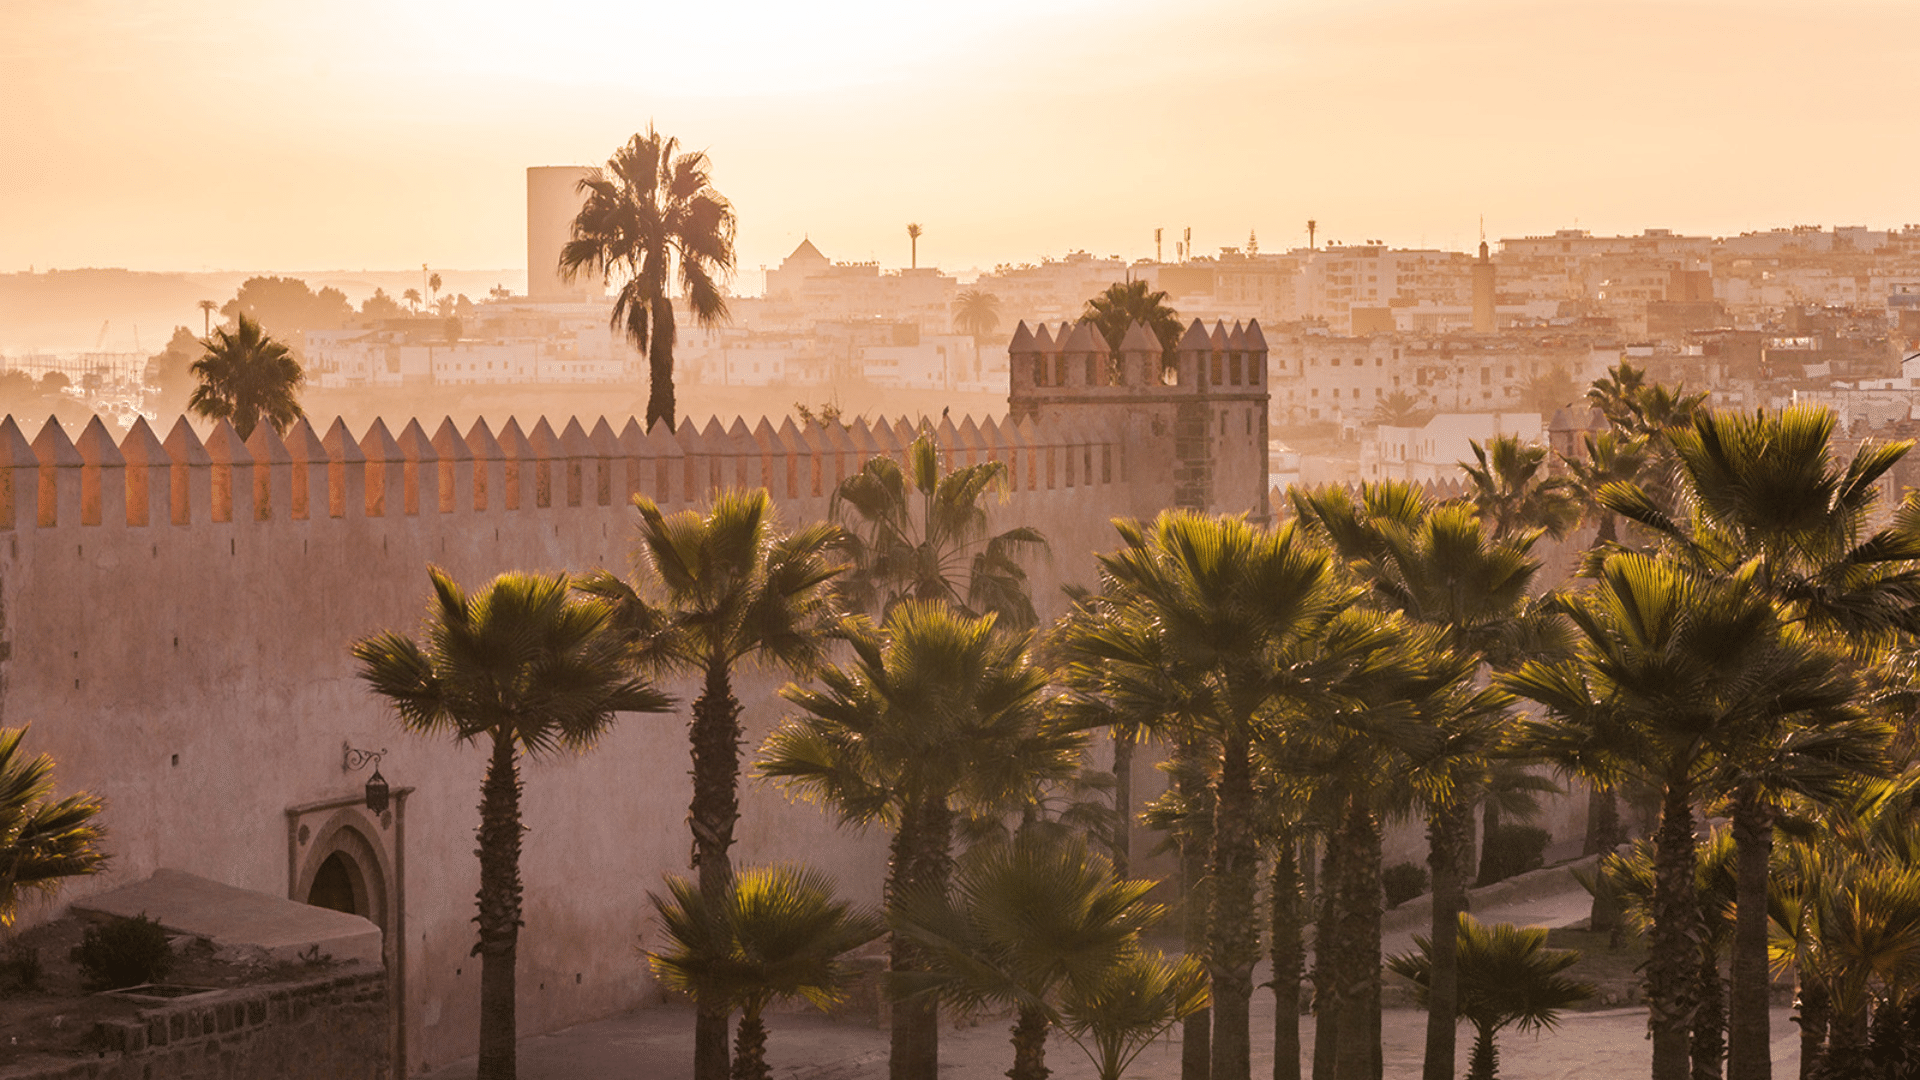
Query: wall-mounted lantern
point(378, 793)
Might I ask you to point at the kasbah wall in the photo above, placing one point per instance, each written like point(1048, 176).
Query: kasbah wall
point(175, 618)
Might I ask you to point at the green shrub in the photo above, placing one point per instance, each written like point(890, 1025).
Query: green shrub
point(123, 952)
point(1403, 882)
point(1516, 849)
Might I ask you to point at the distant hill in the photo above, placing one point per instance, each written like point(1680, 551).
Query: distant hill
point(62, 310)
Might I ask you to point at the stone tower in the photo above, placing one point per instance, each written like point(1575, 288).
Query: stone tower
point(1194, 435)
point(1483, 292)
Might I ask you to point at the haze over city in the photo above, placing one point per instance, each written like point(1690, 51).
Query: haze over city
point(226, 134)
point(1332, 539)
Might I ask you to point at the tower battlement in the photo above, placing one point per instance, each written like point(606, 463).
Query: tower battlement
point(1197, 427)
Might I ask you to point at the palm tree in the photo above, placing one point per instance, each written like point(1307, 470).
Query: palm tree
point(246, 377)
point(976, 312)
point(412, 297)
point(1141, 996)
point(1232, 607)
point(1507, 976)
point(1115, 311)
point(777, 934)
point(1513, 494)
point(714, 592)
point(207, 308)
point(654, 218)
point(433, 287)
point(935, 711)
point(1672, 671)
point(1027, 920)
point(1437, 566)
point(529, 670)
point(913, 237)
point(921, 533)
point(1763, 490)
point(43, 840)
point(1399, 409)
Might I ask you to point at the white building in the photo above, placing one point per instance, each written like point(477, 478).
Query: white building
point(1434, 451)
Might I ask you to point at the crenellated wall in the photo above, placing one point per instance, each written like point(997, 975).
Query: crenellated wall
point(175, 614)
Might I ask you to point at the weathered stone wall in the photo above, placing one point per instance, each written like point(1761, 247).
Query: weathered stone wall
point(177, 616)
point(327, 1028)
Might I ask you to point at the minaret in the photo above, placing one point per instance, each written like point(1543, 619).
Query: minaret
point(1483, 292)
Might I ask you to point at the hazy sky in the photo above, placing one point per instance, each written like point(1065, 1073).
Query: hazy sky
point(193, 134)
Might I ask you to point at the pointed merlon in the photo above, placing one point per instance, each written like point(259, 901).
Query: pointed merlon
point(224, 446)
point(185, 448)
point(1195, 339)
point(96, 447)
point(447, 443)
point(267, 447)
point(1023, 342)
point(1139, 339)
point(1256, 341)
point(53, 449)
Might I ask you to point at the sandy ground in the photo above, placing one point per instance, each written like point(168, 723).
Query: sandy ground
point(1609, 1044)
point(657, 1043)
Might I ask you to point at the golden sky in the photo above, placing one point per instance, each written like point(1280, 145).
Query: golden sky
point(259, 134)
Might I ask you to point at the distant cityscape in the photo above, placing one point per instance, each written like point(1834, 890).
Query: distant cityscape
point(1384, 361)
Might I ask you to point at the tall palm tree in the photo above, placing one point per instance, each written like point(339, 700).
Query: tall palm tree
point(1114, 311)
point(1234, 607)
point(207, 308)
point(934, 711)
point(1438, 566)
point(913, 237)
point(1671, 671)
point(712, 593)
point(777, 934)
point(1027, 920)
point(653, 217)
point(1763, 490)
point(527, 669)
point(1507, 976)
point(245, 377)
point(921, 533)
point(43, 840)
point(976, 312)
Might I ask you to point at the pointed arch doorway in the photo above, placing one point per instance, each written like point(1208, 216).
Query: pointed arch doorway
point(341, 856)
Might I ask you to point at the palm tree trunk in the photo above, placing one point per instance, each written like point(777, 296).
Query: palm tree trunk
point(1235, 938)
point(922, 860)
point(1604, 833)
point(716, 806)
point(660, 403)
point(499, 917)
point(1196, 795)
point(1816, 1013)
point(1485, 1064)
point(1122, 803)
point(1029, 1046)
point(1358, 979)
point(1749, 1031)
point(1446, 838)
point(1674, 945)
point(1326, 961)
point(750, 1047)
point(1490, 868)
point(1709, 1045)
point(1288, 960)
